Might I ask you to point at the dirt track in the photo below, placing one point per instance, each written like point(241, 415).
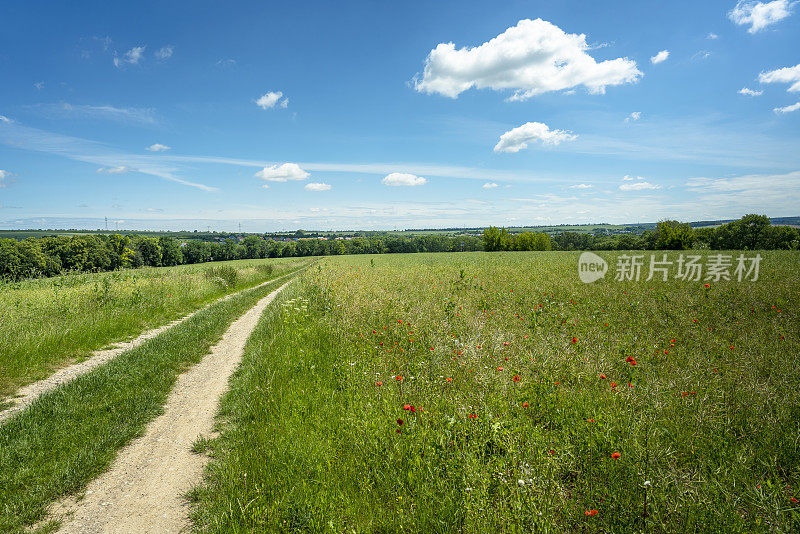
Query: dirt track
point(142, 491)
point(26, 395)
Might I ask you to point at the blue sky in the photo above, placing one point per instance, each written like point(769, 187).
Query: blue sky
point(396, 115)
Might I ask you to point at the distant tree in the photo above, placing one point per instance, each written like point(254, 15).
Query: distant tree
point(673, 235)
point(170, 252)
point(150, 250)
point(491, 239)
point(196, 252)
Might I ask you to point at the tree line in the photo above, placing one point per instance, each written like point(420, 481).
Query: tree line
point(53, 255)
point(751, 232)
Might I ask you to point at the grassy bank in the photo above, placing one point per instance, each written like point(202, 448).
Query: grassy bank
point(539, 403)
point(70, 435)
point(50, 322)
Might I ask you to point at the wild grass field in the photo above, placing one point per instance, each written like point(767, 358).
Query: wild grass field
point(49, 322)
point(495, 392)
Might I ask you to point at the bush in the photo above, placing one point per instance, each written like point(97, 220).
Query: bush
point(225, 276)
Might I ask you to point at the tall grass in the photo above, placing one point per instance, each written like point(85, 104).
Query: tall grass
point(522, 393)
point(70, 435)
point(49, 322)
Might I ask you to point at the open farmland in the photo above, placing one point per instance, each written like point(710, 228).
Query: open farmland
point(496, 392)
point(49, 322)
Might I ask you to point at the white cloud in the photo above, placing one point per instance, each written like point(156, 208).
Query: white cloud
point(785, 75)
point(489, 185)
point(788, 109)
point(531, 58)
point(580, 186)
point(65, 110)
point(269, 100)
point(660, 57)
point(712, 36)
point(759, 15)
point(165, 52)
point(3, 176)
point(639, 186)
point(282, 173)
point(39, 86)
point(158, 147)
point(627, 178)
point(119, 169)
point(518, 138)
point(749, 92)
point(402, 179)
point(317, 187)
point(635, 116)
point(132, 56)
point(5, 119)
point(701, 54)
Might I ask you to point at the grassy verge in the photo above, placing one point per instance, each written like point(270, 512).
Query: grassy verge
point(72, 434)
point(50, 322)
point(527, 413)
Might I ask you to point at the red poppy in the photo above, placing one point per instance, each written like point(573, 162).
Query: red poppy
point(399, 431)
point(378, 383)
point(400, 422)
point(613, 385)
point(615, 455)
point(793, 499)
point(591, 512)
point(449, 379)
point(706, 286)
point(516, 378)
point(398, 378)
point(406, 407)
point(603, 377)
point(525, 404)
point(505, 344)
point(499, 368)
point(473, 416)
point(574, 340)
point(590, 420)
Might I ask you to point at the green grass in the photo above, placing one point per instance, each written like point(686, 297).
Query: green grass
point(47, 323)
point(707, 434)
point(71, 435)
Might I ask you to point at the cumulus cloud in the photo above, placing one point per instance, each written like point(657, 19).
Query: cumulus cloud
point(785, 75)
point(635, 116)
point(660, 57)
point(119, 169)
point(317, 187)
point(268, 100)
point(398, 179)
point(581, 186)
point(165, 52)
point(749, 92)
point(642, 185)
point(787, 109)
point(158, 147)
point(282, 173)
point(132, 56)
point(489, 185)
point(518, 138)
point(759, 15)
point(531, 58)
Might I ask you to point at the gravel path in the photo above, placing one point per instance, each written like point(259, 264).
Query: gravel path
point(142, 491)
point(26, 395)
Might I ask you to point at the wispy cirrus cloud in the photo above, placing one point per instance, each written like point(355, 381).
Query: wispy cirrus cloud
point(131, 57)
point(78, 149)
point(65, 110)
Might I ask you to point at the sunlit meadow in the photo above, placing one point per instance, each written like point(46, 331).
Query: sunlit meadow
point(497, 393)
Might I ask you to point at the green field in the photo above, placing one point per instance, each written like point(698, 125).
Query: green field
point(495, 392)
point(49, 322)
